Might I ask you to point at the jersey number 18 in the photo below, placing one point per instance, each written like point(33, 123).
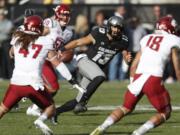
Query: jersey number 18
point(154, 42)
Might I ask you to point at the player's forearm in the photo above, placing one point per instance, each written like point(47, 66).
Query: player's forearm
point(11, 52)
point(79, 42)
point(176, 62)
point(135, 64)
point(71, 45)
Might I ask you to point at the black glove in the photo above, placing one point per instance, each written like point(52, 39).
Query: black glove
point(62, 48)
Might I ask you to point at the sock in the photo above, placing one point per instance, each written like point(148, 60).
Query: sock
point(91, 88)
point(43, 117)
point(107, 123)
point(35, 107)
point(68, 106)
point(145, 127)
point(72, 81)
point(64, 71)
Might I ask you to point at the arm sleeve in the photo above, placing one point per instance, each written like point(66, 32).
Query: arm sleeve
point(126, 43)
point(69, 37)
point(48, 22)
point(94, 32)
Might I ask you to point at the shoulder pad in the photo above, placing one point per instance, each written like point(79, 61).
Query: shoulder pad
point(49, 22)
point(102, 30)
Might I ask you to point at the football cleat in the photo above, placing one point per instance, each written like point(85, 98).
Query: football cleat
point(80, 107)
point(97, 131)
point(43, 127)
point(24, 99)
point(33, 112)
point(136, 133)
point(54, 120)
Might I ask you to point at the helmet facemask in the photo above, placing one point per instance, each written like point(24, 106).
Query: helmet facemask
point(115, 27)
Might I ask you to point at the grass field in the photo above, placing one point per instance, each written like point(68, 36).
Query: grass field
point(109, 94)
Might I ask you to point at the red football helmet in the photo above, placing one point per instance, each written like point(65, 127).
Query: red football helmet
point(167, 24)
point(33, 25)
point(62, 14)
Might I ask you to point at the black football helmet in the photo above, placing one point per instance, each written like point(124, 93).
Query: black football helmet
point(115, 21)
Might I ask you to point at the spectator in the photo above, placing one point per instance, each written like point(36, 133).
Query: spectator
point(136, 32)
point(157, 12)
point(81, 29)
point(81, 26)
point(121, 12)
point(5, 30)
point(2, 3)
point(99, 19)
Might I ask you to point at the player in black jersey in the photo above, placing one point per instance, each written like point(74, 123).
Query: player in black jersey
point(104, 43)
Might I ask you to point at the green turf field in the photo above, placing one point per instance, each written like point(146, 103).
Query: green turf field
point(109, 94)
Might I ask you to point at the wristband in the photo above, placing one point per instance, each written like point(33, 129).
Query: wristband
point(62, 49)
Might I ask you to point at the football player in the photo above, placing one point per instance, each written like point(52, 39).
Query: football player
point(147, 70)
point(30, 51)
point(104, 43)
point(60, 21)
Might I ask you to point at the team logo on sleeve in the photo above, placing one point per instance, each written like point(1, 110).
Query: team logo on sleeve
point(58, 43)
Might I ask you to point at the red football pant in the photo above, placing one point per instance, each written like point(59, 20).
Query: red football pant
point(49, 76)
point(15, 93)
point(155, 92)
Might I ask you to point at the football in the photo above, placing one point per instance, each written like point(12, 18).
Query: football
point(67, 56)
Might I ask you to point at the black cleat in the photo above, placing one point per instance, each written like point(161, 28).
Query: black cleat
point(54, 120)
point(80, 107)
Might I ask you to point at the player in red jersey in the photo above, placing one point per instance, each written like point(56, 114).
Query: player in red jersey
point(147, 70)
point(30, 50)
point(59, 21)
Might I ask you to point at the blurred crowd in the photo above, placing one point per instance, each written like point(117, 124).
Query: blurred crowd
point(118, 69)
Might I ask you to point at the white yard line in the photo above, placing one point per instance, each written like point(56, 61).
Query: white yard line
point(138, 107)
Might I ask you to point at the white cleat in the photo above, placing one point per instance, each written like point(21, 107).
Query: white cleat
point(33, 112)
point(97, 131)
point(43, 127)
point(24, 99)
point(136, 133)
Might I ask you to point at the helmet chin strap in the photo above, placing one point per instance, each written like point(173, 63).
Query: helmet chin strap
point(62, 23)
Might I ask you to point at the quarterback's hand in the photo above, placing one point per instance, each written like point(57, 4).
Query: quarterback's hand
point(59, 54)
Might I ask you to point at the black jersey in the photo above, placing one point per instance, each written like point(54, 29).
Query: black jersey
point(103, 50)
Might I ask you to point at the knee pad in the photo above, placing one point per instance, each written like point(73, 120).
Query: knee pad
point(99, 78)
point(125, 110)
